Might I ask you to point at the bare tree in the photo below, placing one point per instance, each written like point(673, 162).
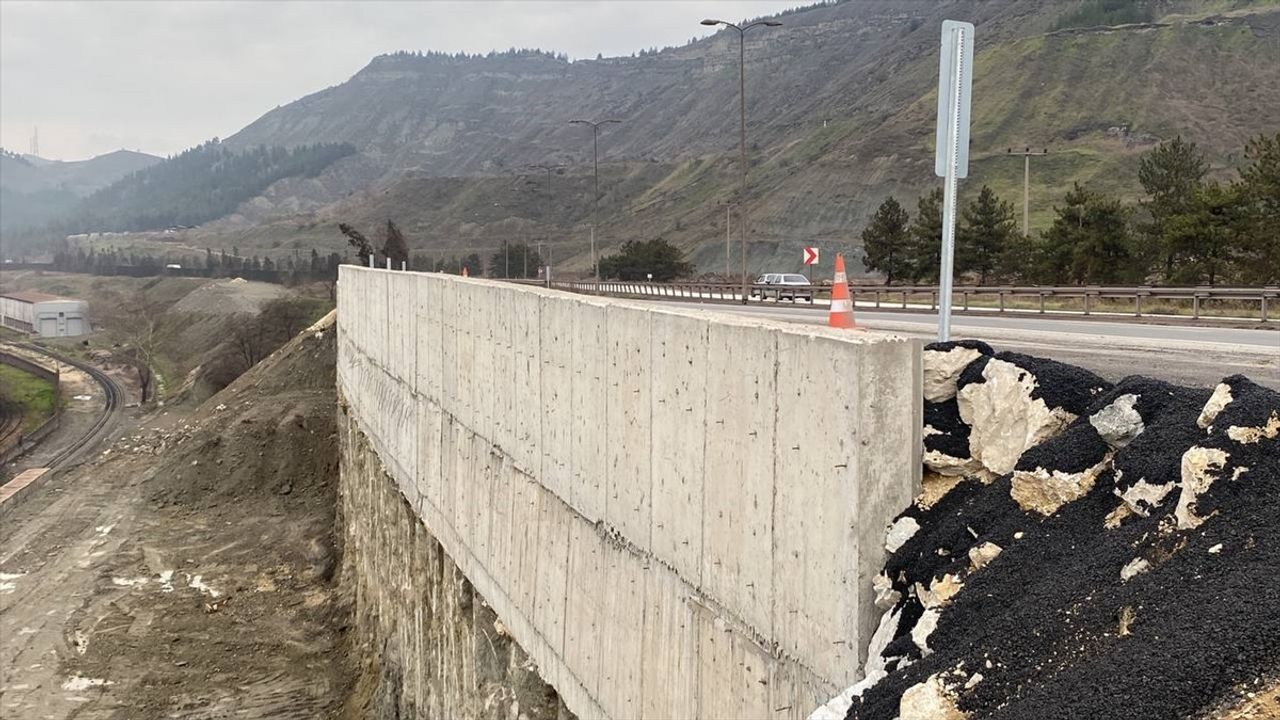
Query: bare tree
point(136, 320)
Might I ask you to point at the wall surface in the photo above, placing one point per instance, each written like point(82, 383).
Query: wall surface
point(433, 647)
point(676, 514)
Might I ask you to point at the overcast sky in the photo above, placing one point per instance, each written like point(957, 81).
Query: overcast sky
point(160, 77)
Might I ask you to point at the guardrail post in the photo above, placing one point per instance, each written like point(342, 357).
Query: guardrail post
point(1195, 306)
point(1041, 303)
point(1264, 307)
point(904, 299)
point(1137, 304)
point(877, 298)
point(1086, 303)
point(1001, 295)
point(965, 295)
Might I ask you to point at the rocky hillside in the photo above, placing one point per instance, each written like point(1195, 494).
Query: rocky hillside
point(840, 101)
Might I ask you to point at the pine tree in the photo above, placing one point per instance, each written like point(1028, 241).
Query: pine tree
point(1171, 174)
point(395, 248)
point(1258, 259)
point(885, 240)
point(987, 232)
point(1089, 242)
point(924, 254)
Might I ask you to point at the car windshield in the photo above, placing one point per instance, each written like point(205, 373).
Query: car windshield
point(795, 279)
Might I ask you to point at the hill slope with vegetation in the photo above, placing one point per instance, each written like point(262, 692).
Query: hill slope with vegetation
point(840, 103)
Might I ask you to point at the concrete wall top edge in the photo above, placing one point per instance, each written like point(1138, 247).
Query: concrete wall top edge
point(856, 337)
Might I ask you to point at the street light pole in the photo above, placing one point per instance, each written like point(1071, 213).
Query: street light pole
point(742, 135)
point(1026, 185)
point(547, 260)
point(595, 198)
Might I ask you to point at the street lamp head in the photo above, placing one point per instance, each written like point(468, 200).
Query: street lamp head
point(616, 122)
point(709, 21)
point(579, 122)
point(771, 23)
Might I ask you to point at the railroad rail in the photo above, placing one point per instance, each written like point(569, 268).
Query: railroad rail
point(1256, 304)
point(114, 402)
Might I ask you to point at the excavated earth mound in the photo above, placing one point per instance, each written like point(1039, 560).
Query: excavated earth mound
point(1125, 564)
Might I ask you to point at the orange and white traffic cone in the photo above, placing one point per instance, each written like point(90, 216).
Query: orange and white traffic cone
point(841, 306)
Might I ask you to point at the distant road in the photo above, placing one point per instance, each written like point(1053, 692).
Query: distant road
point(1183, 354)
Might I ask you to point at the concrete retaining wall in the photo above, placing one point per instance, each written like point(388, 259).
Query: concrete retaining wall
point(676, 514)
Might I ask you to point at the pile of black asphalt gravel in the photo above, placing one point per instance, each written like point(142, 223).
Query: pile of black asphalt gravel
point(1095, 612)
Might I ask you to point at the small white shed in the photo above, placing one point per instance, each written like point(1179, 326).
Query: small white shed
point(43, 314)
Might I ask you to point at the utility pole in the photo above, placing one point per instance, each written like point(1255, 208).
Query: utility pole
point(595, 197)
point(1026, 185)
point(728, 216)
point(742, 136)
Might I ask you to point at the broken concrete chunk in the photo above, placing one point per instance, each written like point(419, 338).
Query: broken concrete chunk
point(1200, 467)
point(902, 530)
point(1219, 399)
point(930, 700)
point(1044, 492)
point(942, 368)
point(1119, 422)
point(1004, 418)
point(982, 554)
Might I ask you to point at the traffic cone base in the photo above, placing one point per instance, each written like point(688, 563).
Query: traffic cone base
point(841, 315)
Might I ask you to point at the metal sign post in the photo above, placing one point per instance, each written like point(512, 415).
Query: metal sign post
point(951, 157)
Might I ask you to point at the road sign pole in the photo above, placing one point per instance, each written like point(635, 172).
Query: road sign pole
point(954, 83)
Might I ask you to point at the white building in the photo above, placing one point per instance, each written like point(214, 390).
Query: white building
point(43, 314)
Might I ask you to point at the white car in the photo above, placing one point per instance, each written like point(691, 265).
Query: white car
point(783, 286)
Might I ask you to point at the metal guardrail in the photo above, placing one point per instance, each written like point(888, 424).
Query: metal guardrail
point(1259, 303)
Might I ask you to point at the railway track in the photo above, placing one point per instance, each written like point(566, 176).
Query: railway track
point(111, 409)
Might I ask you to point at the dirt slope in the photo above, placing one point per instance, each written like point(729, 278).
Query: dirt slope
point(187, 572)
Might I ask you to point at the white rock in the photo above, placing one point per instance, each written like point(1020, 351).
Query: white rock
point(1135, 566)
point(929, 700)
point(1250, 435)
point(924, 627)
point(902, 530)
point(1118, 423)
point(1200, 467)
point(1142, 496)
point(886, 596)
point(951, 466)
point(1219, 399)
point(1045, 492)
point(1003, 417)
point(1215, 549)
point(942, 369)
point(982, 554)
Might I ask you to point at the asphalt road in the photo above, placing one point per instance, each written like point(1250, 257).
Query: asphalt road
point(1184, 354)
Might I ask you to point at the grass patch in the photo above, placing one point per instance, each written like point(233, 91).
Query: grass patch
point(35, 398)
